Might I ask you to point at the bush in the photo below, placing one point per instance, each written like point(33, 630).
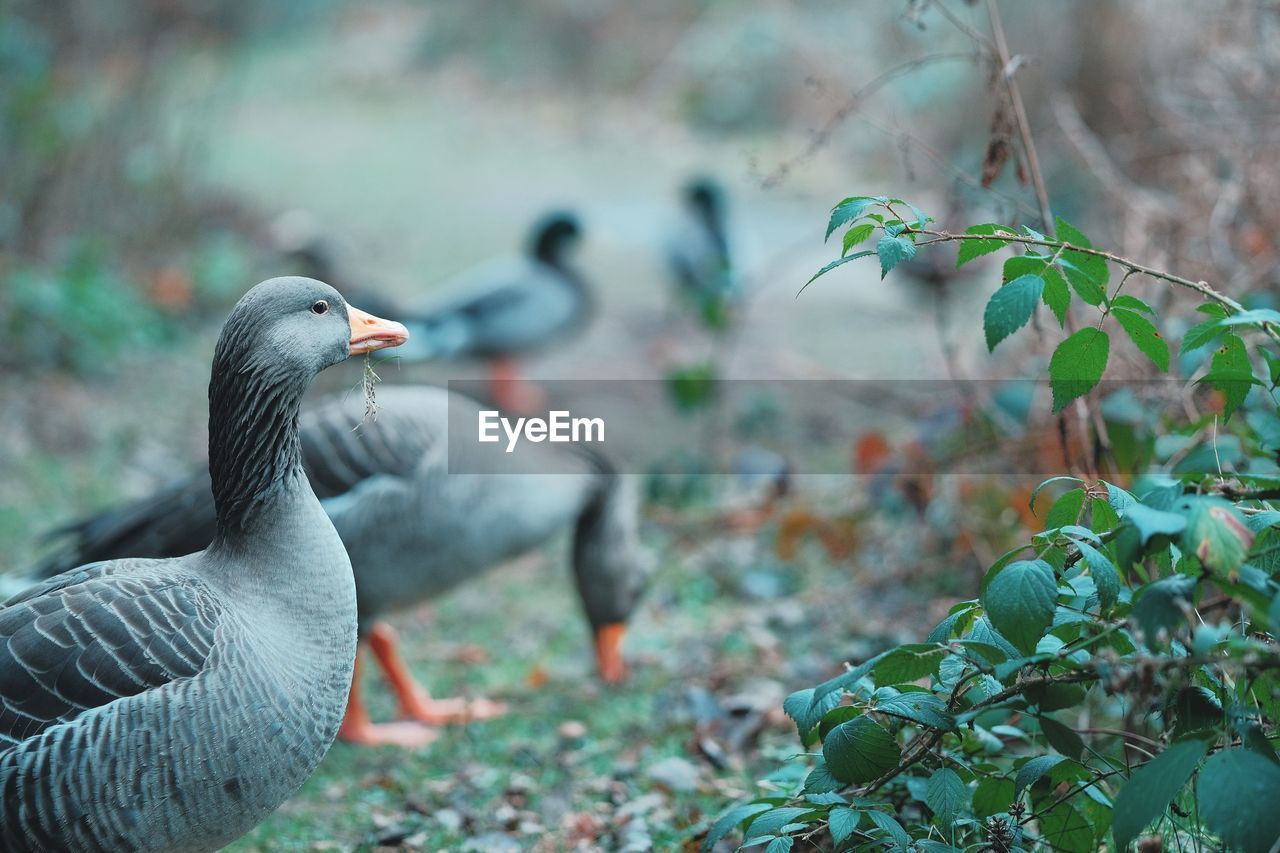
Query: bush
point(1120, 671)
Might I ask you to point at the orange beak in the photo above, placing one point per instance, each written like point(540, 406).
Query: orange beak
point(369, 333)
point(613, 670)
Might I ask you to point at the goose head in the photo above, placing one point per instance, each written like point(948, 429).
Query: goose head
point(553, 235)
point(280, 334)
point(300, 326)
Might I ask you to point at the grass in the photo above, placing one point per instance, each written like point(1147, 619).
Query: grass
point(570, 762)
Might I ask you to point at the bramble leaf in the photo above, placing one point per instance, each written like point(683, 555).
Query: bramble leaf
point(860, 750)
point(1010, 308)
point(893, 251)
point(1145, 336)
point(1020, 601)
point(1152, 787)
point(970, 249)
point(1077, 365)
point(1231, 791)
point(945, 795)
point(1217, 534)
point(856, 235)
point(850, 210)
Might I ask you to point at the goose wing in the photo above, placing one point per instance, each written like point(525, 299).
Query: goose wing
point(96, 634)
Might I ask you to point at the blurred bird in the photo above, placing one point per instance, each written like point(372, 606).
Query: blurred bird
point(699, 257)
point(498, 311)
point(413, 530)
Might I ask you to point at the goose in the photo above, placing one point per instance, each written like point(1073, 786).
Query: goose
point(699, 257)
point(498, 311)
point(414, 530)
point(171, 704)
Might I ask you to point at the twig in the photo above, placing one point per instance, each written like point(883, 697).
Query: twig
point(1200, 287)
point(1007, 70)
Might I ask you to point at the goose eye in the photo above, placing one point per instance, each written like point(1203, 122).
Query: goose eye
point(320, 307)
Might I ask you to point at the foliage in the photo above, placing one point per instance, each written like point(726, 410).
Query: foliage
point(1116, 675)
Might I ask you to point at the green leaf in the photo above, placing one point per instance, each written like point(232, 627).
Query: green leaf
point(1161, 605)
point(1064, 828)
point(1077, 365)
point(1010, 308)
point(807, 710)
point(1093, 266)
point(1231, 373)
point(1033, 771)
point(1132, 303)
point(1020, 601)
point(1256, 317)
point(851, 209)
point(1217, 534)
point(1065, 510)
point(842, 823)
point(1154, 522)
point(1201, 334)
point(909, 663)
point(836, 263)
point(921, 219)
point(945, 795)
point(1104, 574)
point(970, 249)
point(771, 821)
point(730, 820)
point(889, 826)
point(1194, 709)
point(820, 781)
point(1062, 738)
point(860, 751)
point(856, 235)
point(1233, 791)
point(893, 251)
point(1020, 265)
point(1145, 336)
point(781, 844)
point(924, 708)
point(1031, 503)
point(993, 796)
point(1056, 295)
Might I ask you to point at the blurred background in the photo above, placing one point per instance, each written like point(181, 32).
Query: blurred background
point(158, 157)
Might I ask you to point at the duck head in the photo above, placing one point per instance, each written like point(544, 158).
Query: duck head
point(705, 197)
point(553, 235)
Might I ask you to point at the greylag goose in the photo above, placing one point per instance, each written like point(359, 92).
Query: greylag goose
point(498, 311)
point(413, 531)
point(171, 704)
point(699, 256)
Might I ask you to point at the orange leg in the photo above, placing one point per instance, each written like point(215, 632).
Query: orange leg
point(510, 392)
point(415, 702)
point(358, 728)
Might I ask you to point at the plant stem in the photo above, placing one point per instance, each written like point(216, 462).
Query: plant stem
point(1020, 116)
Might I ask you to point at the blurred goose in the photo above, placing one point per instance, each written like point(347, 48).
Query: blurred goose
point(498, 311)
point(413, 531)
point(171, 704)
point(699, 257)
